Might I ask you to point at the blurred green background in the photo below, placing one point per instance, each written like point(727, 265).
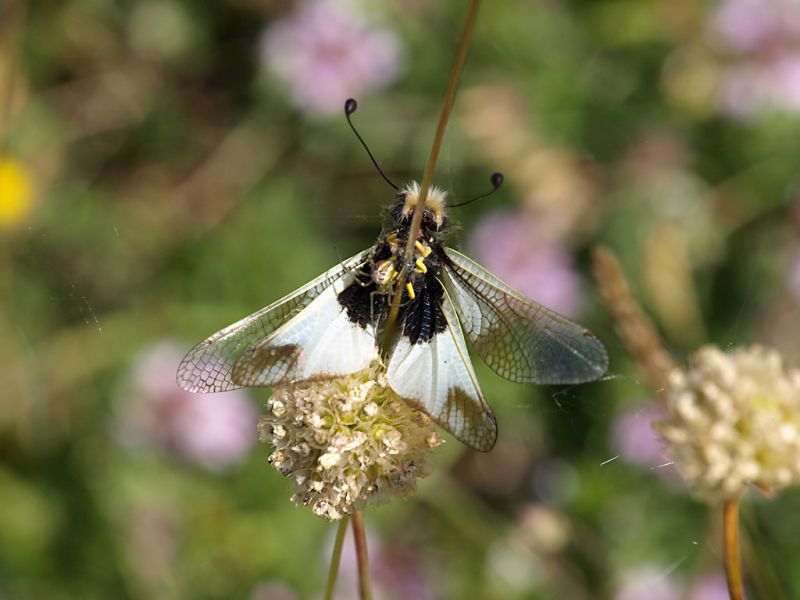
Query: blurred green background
point(168, 167)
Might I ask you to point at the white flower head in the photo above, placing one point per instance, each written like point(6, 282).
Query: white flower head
point(347, 441)
point(733, 420)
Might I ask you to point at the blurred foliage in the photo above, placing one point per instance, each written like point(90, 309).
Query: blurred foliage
point(159, 180)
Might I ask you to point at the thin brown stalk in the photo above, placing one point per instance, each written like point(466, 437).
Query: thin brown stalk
point(636, 331)
point(430, 167)
point(365, 590)
point(364, 586)
point(12, 24)
point(733, 559)
point(336, 557)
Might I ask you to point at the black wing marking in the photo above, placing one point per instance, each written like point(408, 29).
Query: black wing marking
point(518, 338)
point(208, 367)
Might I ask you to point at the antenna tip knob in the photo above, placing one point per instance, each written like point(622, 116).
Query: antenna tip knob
point(497, 180)
point(350, 106)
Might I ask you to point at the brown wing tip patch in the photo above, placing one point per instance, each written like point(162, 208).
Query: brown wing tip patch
point(479, 429)
point(254, 367)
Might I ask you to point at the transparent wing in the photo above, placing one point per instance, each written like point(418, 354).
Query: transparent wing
point(519, 339)
point(319, 342)
point(437, 377)
point(208, 367)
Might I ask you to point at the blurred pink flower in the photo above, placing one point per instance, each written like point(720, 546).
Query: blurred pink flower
point(272, 590)
point(787, 72)
point(634, 439)
point(749, 88)
point(711, 586)
point(396, 569)
point(522, 255)
point(651, 584)
point(211, 430)
point(750, 25)
point(744, 90)
point(326, 53)
point(763, 38)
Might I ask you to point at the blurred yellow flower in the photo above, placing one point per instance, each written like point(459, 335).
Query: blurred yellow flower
point(16, 193)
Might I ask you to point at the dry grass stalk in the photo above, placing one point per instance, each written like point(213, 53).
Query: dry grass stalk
point(634, 328)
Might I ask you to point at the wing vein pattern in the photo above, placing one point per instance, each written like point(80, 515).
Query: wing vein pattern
point(516, 337)
point(437, 377)
point(208, 367)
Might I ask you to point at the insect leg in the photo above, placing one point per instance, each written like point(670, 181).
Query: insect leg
point(358, 274)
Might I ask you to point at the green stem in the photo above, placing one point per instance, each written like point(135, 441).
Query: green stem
point(733, 560)
point(336, 557)
point(430, 167)
point(364, 586)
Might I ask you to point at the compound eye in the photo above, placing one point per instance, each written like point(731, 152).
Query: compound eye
point(427, 215)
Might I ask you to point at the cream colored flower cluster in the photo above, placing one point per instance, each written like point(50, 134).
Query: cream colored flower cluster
point(734, 419)
point(347, 441)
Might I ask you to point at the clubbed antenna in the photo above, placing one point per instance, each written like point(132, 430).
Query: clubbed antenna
point(350, 107)
point(496, 179)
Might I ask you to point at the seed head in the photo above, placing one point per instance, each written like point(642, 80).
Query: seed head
point(734, 419)
point(347, 441)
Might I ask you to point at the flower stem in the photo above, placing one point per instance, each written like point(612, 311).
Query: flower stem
point(733, 561)
point(364, 586)
point(333, 571)
point(430, 167)
point(12, 30)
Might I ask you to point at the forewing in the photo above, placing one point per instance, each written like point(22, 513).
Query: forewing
point(208, 367)
point(317, 343)
point(437, 377)
point(519, 339)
